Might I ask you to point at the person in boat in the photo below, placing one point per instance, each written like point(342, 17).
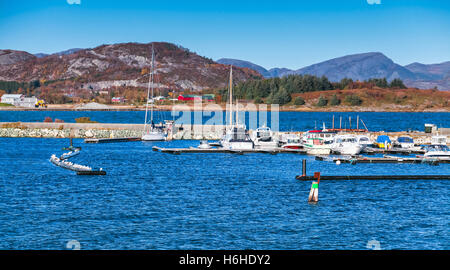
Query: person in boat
point(153, 125)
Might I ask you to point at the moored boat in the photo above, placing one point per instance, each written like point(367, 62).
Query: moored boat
point(438, 148)
point(151, 131)
point(264, 138)
point(437, 151)
point(364, 141)
point(346, 145)
point(204, 145)
point(236, 136)
point(317, 146)
point(324, 134)
point(291, 141)
point(383, 141)
point(405, 142)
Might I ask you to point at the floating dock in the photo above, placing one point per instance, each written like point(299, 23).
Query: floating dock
point(374, 177)
point(273, 151)
point(389, 159)
point(112, 140)
point(221, 150)
point(400, 151)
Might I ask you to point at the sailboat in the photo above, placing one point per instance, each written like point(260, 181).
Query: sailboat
point(236, 136)
point(151, 131)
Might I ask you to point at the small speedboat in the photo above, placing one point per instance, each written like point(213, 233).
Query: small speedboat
point(204, 145)
point(437, 151)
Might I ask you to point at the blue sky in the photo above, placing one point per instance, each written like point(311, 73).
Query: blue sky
point(290, 34)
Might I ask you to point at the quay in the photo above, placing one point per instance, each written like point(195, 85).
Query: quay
point(388, 159)
point(221, 150)
point(401, 151)
point(112, 140)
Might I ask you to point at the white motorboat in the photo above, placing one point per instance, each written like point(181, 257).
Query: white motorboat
point(346, 145)
point(438, 148)
point(291, 141)
point(405, 142)
point(364, 141)
point(437, 151)
point(151, 132)
point(263, 138)
point(317, 146)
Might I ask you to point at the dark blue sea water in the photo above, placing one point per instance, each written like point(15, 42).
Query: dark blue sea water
point(152, 200)
point(288, 121)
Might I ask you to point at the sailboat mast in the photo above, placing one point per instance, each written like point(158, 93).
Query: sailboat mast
point(153, 70)
point(148, 95)
point(231, 96)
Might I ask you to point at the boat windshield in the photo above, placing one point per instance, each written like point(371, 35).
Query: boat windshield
point(405, 140)
point(341, 140)
point(443, 148)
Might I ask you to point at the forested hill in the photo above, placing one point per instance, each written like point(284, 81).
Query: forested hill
point(280, 90)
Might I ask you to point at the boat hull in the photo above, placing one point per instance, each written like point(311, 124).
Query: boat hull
point(154, 136)
point(266, 145)
point(238, 145)
point(348, 150)
point(292, 146)
point(318, 150)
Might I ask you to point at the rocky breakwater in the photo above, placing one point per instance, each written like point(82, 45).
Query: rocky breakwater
point(69, 130)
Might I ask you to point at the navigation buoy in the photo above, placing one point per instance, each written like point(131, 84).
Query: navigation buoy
point(314, 192)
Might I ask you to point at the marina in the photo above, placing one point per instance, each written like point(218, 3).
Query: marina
point(185, 192)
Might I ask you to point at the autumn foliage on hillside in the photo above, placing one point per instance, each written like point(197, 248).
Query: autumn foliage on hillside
point(123, 66)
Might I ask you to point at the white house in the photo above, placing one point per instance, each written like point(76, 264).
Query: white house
point(19, 100)
point(12, 99)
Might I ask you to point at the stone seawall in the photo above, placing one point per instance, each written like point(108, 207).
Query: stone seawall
point(101, 130)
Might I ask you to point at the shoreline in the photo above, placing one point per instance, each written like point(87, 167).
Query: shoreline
point(204, 107)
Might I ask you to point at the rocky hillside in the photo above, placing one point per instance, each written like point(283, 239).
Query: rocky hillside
point(9, 57)
point(121, 65)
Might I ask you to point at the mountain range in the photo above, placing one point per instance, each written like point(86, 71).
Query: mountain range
point(362, 67)
point(120, 65)
point(125, 64)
